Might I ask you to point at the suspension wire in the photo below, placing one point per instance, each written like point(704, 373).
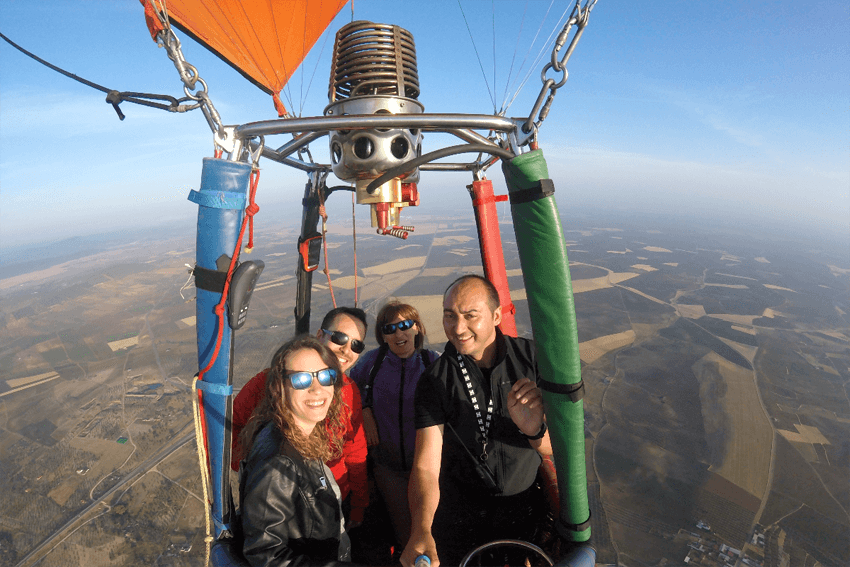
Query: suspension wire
point(163, 8)
point(539, 57)
point(513, 59)
point(354, 240)
point(301, 67)
point(505, 103)
point(495, 82)
point(285, 91)
point(316, 66)
point(324, 214)
point(558, 62)
point(304, 94)
point(468, 29)
point(508, 87)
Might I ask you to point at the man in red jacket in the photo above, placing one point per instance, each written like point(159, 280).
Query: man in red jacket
point(343, 330)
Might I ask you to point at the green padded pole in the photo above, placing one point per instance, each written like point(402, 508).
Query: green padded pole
point(546, 272)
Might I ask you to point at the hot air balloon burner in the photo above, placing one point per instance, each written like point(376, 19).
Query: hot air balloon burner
point(374, 73)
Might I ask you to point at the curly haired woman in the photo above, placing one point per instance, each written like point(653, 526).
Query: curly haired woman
point(290, 502)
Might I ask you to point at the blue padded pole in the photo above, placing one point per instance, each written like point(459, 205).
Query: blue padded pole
point(221, 204)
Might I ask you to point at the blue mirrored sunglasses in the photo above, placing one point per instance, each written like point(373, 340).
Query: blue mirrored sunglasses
point(303, 380)
point(390, 328)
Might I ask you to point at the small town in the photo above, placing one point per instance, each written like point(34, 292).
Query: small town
point(707, 550)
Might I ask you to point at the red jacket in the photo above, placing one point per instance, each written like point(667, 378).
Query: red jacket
point(349, 470)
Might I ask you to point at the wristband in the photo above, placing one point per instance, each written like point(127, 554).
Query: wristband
point(539, 434)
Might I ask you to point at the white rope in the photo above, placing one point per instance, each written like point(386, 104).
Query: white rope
point(202, 464)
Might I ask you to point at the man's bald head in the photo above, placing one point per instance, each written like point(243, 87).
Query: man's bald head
point(475, 281)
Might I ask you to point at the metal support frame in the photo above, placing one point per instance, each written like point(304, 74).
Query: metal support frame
point(308, 130)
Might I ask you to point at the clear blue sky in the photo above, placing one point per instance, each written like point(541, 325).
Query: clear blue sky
point(716, 109)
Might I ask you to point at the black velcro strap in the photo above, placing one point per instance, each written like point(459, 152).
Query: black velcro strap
point(543, 188)
point(209, 280)
point(574, 391)
point(563, 526)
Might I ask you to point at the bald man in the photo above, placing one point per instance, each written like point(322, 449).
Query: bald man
point(480, 434)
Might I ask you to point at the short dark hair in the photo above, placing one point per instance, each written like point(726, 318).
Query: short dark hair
point(353, 312)
point(492, 293)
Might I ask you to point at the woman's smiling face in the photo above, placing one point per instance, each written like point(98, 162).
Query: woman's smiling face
point(310, 405)
point(402, 343)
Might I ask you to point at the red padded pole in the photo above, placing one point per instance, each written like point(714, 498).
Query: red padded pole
point(490, 242)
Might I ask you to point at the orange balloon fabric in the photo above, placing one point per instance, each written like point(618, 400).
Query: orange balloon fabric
point(265, 41)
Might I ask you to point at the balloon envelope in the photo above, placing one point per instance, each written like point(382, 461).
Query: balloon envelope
point(265, 41)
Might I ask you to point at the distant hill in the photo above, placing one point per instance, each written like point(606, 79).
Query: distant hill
point(21, 260)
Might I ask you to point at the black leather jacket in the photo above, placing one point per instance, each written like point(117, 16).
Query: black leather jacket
point(290, 510)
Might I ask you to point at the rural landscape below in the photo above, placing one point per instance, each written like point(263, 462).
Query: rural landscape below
point(716, 371)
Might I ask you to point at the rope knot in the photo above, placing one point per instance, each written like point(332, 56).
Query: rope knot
point(252, 209)
point(219, 309)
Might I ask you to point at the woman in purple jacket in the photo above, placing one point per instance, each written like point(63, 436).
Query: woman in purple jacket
point(387, 377)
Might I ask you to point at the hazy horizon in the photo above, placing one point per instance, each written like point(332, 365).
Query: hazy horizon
point(280, 215)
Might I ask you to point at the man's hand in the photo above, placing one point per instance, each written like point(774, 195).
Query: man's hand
point(525, 406)
point(420, 543)
point(423, 494)
point(370, 428)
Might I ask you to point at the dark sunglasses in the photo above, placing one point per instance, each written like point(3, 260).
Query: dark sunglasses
point(303, 380)
point(390, 328)
point(341, 339)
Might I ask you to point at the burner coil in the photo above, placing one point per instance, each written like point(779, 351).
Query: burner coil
point(373, 59)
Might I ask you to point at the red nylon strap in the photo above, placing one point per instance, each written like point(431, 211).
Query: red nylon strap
point(488, 200)
point(252, 209)
point(324, 214)
point(152, 19)
point(278, 105)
